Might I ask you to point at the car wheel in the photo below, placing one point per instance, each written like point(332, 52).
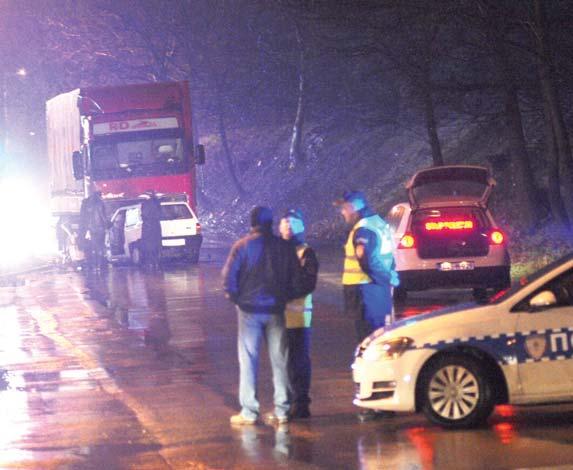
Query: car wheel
point(136, 255)
point(456, 392)
point(400, 294)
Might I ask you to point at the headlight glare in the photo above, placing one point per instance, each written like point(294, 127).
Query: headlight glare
point(382, 350)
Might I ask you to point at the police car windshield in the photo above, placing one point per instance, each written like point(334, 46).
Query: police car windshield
point(525, 280)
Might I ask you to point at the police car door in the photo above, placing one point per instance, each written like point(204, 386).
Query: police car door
point(545, 341)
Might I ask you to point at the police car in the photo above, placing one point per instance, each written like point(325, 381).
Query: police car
point(446, 235)
point(456, 364)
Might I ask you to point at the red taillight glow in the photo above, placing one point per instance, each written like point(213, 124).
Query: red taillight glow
point(198, 228)
point(496, 237)
point(450, 225)
point(407, 241)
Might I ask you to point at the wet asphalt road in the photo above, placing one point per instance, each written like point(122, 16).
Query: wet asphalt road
point(138, 370)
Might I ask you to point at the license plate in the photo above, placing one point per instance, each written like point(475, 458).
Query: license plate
point(174, 242)
point(456, 266)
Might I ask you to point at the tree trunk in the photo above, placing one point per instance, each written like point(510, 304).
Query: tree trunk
point(296, 153)
point(524, 187)
point(225, 143)
point(433, 138)
point(552, 156)
point(563, 160)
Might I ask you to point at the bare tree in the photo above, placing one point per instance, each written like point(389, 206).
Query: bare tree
point(559, 159)
point(296, 152)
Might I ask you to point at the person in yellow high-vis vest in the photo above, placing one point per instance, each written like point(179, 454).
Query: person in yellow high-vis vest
point(369, 268)
point(298, 315)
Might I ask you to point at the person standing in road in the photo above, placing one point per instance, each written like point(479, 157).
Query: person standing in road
point(151, 230)
point(298, 315)
point(258, 276)
point(93, 225)
point(369, 268)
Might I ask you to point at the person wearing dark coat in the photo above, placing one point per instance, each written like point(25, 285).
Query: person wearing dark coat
point(151, 230)
point(259, 277)
point(93, 226)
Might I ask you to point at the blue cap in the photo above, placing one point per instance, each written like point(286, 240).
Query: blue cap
point(351, 196)
point(296, 213)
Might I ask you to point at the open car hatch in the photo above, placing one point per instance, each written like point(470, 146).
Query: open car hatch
point(450, 185)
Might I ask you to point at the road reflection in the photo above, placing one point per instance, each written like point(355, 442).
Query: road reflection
point(14, 403)
point(173, 351)
point(150, 304)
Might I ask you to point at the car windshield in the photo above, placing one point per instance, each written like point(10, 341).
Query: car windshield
point(138, 154)
point(525, 280)
point(175, 211)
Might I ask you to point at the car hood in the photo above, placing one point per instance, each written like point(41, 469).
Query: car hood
point(450, 324)
point(450, 184)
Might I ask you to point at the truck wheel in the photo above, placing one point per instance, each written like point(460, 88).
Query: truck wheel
point(136, 256)
point(456, 392)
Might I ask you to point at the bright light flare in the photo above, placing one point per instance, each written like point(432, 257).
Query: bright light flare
point(26, 234)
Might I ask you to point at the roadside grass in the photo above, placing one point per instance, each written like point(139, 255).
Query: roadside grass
point(531, 251)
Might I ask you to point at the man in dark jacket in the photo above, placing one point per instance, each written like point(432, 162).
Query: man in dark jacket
point(259, 278)
point(93, 225)
point(151, 230)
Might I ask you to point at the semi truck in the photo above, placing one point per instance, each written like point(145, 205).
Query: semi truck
point(121, 141)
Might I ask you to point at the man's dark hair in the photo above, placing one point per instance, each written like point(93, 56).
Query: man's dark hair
point(262, 217)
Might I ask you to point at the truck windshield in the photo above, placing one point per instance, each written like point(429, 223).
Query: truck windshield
point(138, 154)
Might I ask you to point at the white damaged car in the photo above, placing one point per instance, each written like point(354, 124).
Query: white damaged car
point(456, 364)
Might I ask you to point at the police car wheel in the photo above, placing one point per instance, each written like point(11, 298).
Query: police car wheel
point(457, 393)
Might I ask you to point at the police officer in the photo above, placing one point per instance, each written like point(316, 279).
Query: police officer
point(298, 315)
point(369, 273)
point(369, 269)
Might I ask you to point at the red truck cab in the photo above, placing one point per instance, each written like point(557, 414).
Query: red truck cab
point(122, 141)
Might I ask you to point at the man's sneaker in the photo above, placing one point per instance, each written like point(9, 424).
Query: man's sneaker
point(241, 420)
point(271, 418)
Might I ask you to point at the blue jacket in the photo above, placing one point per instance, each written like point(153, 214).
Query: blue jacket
point(260, 273)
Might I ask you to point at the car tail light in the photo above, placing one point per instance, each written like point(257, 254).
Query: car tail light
point(198, 228)
point(407, 241)
point(438, 225)
point(496, 237)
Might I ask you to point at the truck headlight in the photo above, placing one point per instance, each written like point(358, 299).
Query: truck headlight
point(386, 349)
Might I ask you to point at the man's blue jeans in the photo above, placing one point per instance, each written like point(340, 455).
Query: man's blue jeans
point(252, 328)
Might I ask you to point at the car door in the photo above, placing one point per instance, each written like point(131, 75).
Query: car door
point(132, 226)
point(117, 234)
point(545, 341)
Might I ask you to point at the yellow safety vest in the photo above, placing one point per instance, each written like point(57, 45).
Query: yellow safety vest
point(353, 273)
point(298, 312)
